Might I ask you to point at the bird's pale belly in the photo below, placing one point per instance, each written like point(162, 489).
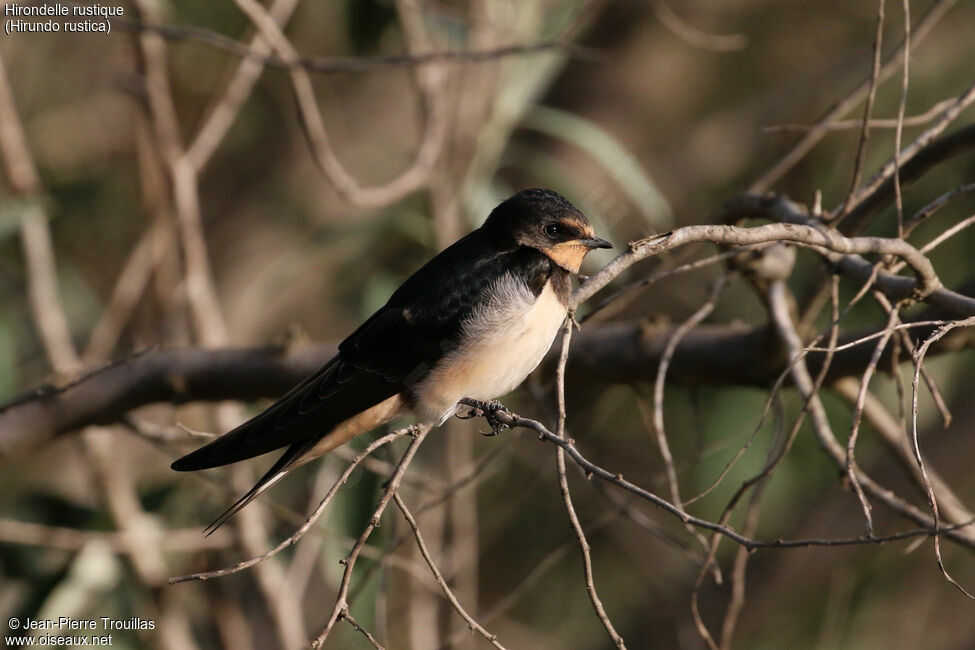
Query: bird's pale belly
point(502, 343)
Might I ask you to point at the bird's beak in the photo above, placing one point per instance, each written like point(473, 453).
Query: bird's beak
point(596, 242)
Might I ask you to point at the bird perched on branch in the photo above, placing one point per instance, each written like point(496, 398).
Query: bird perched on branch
point(473, 322)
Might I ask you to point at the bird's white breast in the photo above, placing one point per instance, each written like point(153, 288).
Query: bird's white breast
point(502, 341)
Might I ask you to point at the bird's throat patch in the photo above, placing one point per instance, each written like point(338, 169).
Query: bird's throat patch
point(568, 255)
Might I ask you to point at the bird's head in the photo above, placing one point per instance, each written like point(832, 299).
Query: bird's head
point(546, 221)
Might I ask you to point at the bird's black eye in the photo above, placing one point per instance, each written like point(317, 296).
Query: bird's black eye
point(553, 230)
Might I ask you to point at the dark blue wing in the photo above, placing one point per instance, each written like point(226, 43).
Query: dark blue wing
point(391, 351)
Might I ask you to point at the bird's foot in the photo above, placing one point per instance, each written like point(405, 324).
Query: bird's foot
point(489, 411)
point(413, 431)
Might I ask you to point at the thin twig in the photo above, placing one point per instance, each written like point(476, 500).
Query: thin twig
point(738, 572)
point(642, 283)
point(858, 417)
point(567, 496)
point(907, 344)
point(35, 235)
point(591, 469)
point(875, 123)
point(309, 522)
point(935, 205)
point(948, 234)
point(868, 109)
point(895, 435)
point(658, 393)
point(225, 109)
point(875, 335)
point(905, 78)
point(209, 324)
point(876, 183)
point(428, 152)
point(932, 500)
point(777, 451)
point(821, 425)
point(349, 561)
point(474, 625)
point(693, 36)
point(538, 571)
point(466, 480)
point(337, 64)
point(842, 250)
point(931, 18)
point(129, 287)
point(347, 616)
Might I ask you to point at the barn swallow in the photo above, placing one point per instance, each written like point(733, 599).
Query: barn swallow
point(473, 322)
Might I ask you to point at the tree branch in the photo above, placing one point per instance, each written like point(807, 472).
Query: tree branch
point(710, 354)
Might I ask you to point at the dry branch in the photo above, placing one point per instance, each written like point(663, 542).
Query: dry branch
point(409, 180)
point(341, 602)
point(584, 548)
point(932, 17)
point(448, 593)
point(506, 418)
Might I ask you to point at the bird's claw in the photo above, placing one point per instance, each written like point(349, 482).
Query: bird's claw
point(489, 411)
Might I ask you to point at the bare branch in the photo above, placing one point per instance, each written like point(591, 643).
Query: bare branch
point(886, 172)
point(875, 123)
point(931, 18)
point(348, 187)
point(612, 352)
point(257, 52)
point(858, 417)
point(129, 287)
point(693, 36)
point(474, 625)
point(842, 250)
point(225, 109)
point(868, 109)
point(346, 616)
point(309, 522)
point(42, 282)
point(211, 330)
point(508, 419)
point(896, 437)
point(349, 561)
point(853, 266)
point(658, 393)
point(171, 376)
point(580, 534)
point(929, 488)
point(935, 205)
point(902, 107)
point(954, 144)
point(821, 425)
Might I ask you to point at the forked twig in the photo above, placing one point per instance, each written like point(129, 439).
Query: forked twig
point(419, 433)
point(448, 592)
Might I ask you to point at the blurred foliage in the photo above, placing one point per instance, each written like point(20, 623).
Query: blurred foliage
point(648, 133)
